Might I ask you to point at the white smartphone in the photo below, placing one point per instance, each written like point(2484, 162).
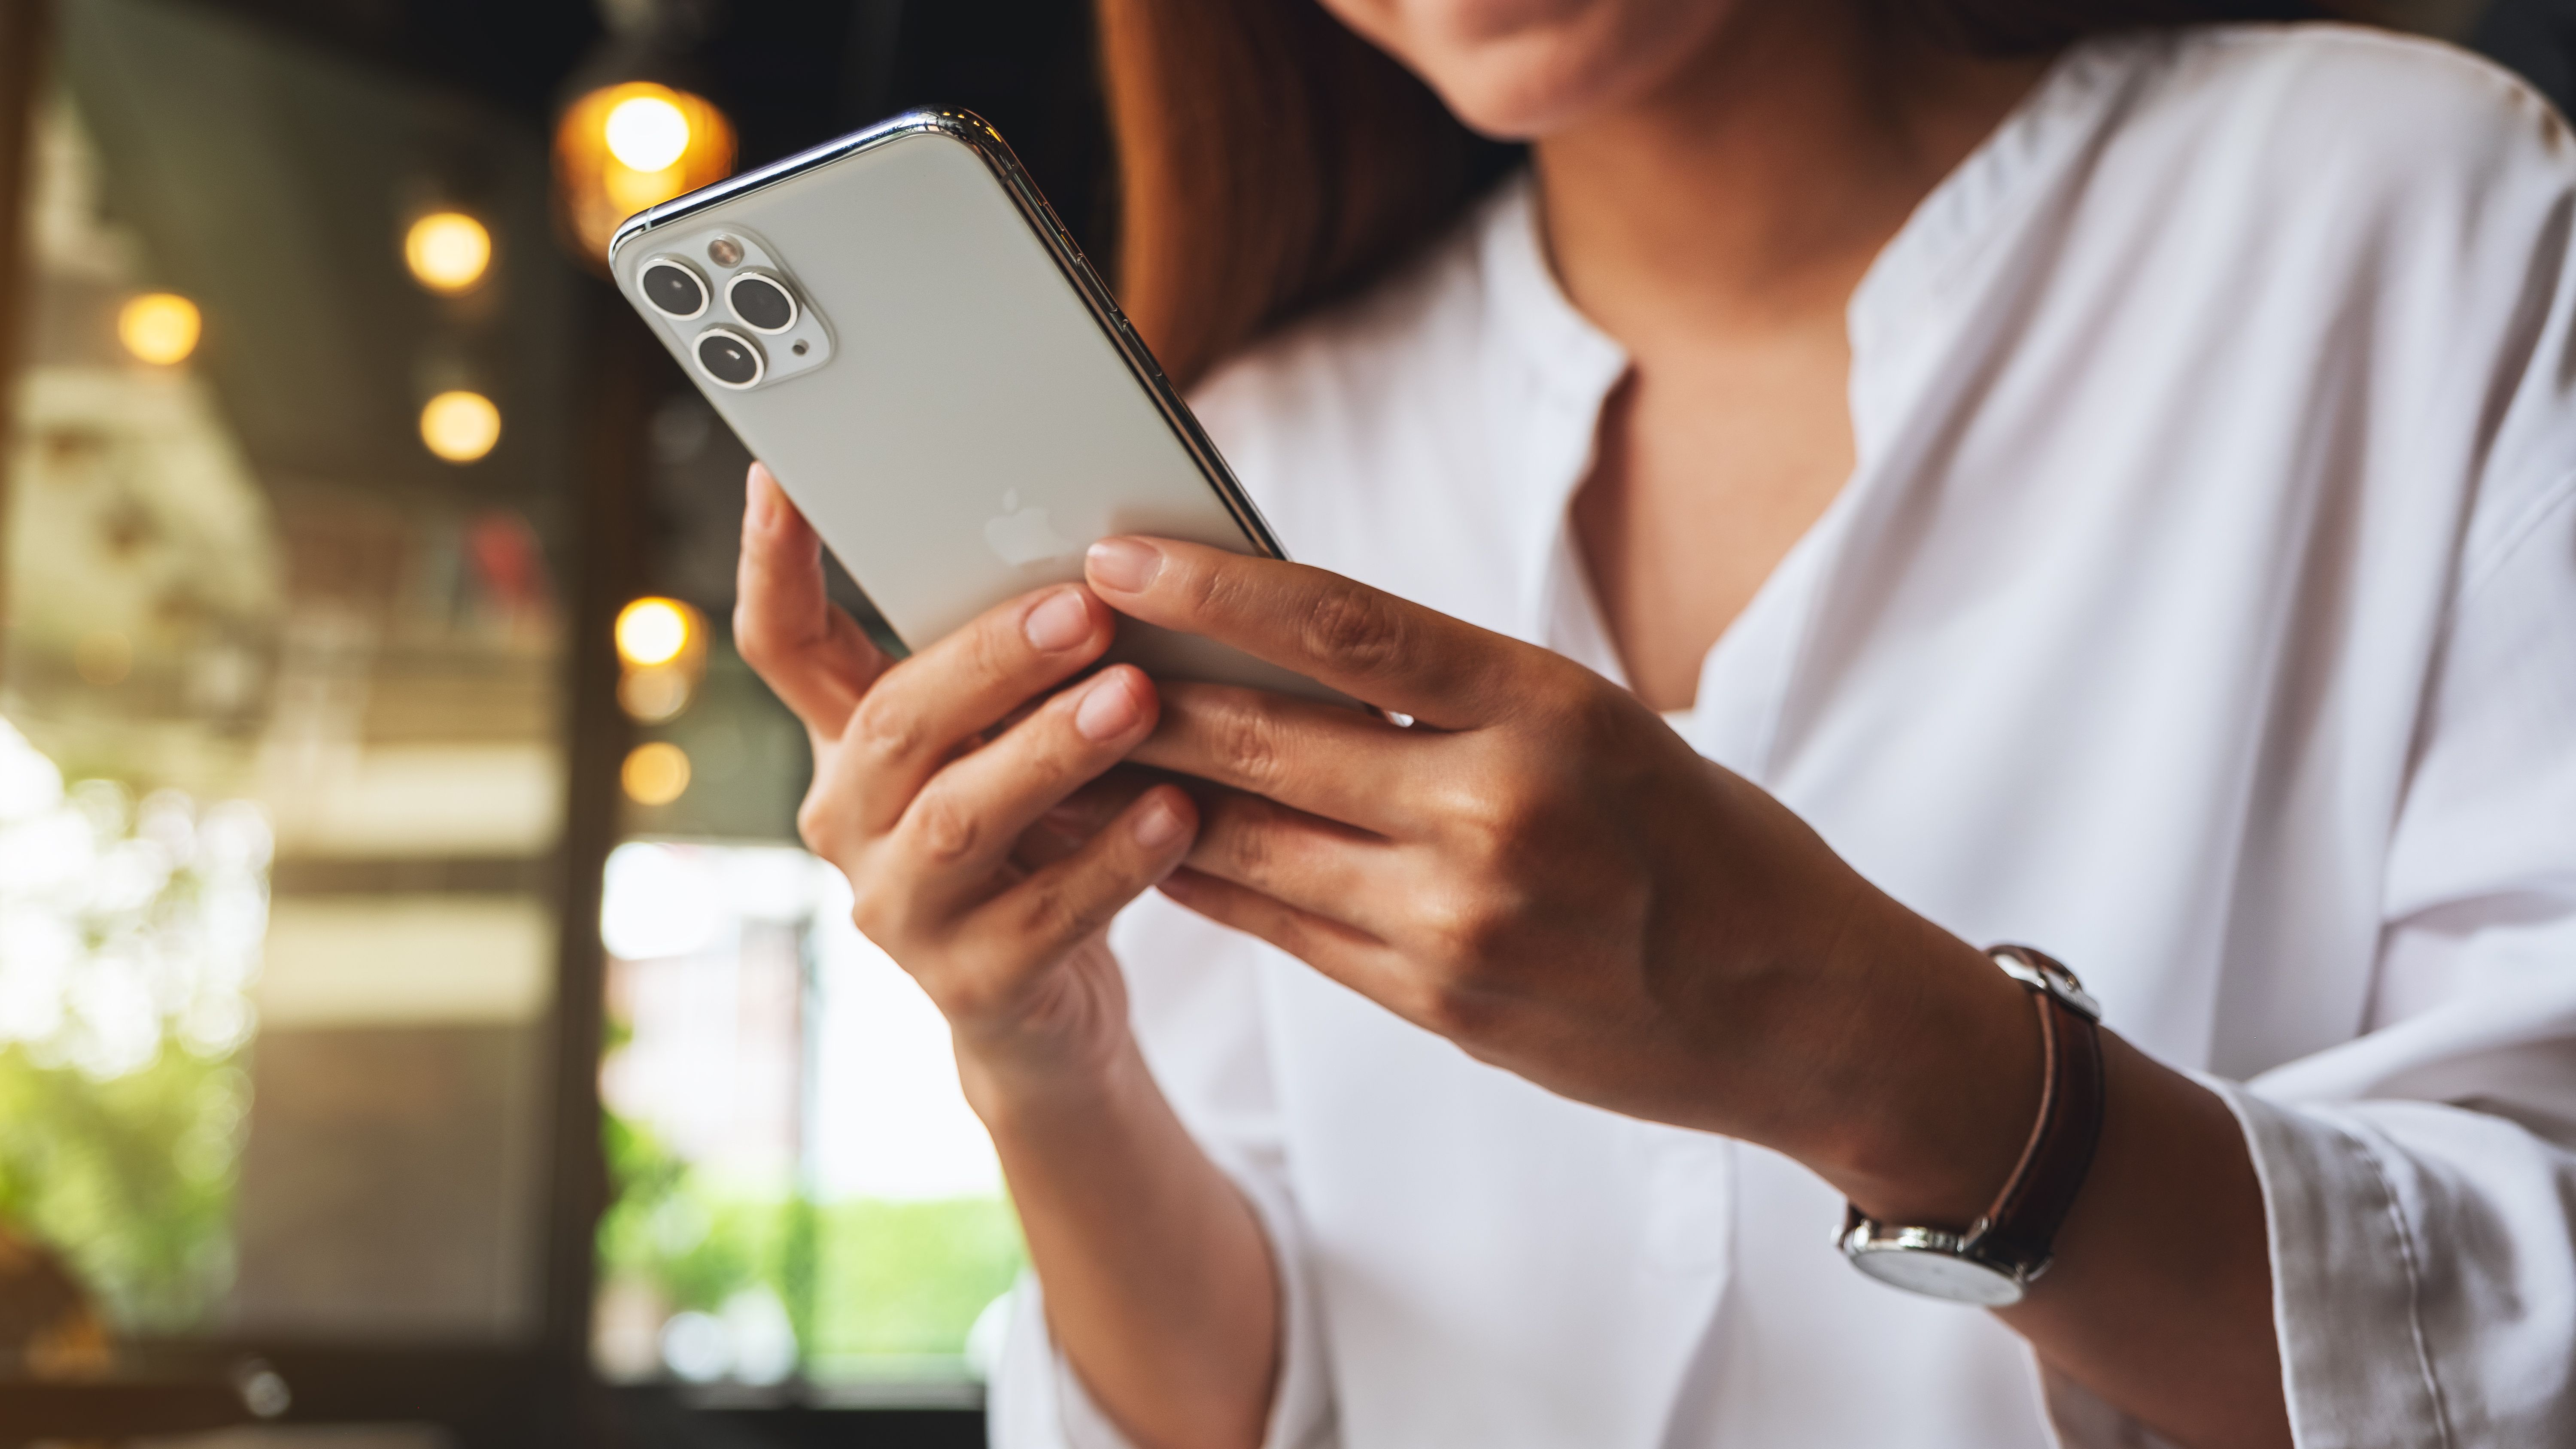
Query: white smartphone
point(897, 324)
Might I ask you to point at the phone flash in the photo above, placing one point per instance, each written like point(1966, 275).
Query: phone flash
point(724, 251)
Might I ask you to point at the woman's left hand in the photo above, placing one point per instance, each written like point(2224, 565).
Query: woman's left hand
point(1541, 871)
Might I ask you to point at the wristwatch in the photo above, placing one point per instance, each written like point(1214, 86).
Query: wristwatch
point(1995, 1260)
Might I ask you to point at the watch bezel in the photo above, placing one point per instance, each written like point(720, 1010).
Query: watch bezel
point(1888, 1253)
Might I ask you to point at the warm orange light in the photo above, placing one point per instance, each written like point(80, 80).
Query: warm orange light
point(447, 251)
point(622, 148)
point(655, 773)
point(650, 696)
point(159, 327)
point(647, 132)
point(661, 656)
point(653, 631)
point(460, 426)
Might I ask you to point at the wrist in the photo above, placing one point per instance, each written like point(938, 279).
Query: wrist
point(1939, 1068)
point(1015, 1090)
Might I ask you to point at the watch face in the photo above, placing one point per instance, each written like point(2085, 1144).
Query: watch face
point(1938, 1275)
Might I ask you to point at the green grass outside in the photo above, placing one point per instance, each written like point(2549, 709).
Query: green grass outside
point(860, 1278)
point(908, 1277)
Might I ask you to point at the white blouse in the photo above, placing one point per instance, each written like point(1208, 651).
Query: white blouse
point(2202, 610)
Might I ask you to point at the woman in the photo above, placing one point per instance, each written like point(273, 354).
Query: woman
point(1890, 478)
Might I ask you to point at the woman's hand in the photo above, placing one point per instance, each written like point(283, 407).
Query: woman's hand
point(926, 789)
point(932, 778)
point(1543, 872)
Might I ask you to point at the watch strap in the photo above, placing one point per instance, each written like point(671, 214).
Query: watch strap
point(2019, 1232)
point(2013, 1241)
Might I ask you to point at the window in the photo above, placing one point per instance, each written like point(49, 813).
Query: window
point(800, 1183)
point(285, 715)
point(323, 468)
point(284, 689)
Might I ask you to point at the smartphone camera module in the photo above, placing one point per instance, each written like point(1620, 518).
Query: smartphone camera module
point(674, 288)
point(730, 358)
point(761, 301)
point(726, 307)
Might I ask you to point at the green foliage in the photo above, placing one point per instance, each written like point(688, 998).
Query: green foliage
point(130, 1179)
point(697, 1246)
point(861, 1278)
point(909, 1277)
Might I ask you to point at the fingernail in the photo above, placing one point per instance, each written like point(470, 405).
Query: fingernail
point(1108, 711)
point(756, 499)
point(1125, 564)
point(1160, 825)
point(1058, 622)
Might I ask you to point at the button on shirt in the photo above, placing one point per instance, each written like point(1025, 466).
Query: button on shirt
point(2202, 610)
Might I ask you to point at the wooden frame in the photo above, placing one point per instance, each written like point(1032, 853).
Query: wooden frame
point(26, 30)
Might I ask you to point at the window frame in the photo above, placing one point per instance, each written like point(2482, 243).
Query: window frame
point(541, 1390)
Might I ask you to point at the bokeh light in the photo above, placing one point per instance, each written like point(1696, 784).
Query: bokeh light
point(159, 327)
point(624, 147)
point(656, 773)
point(460, 426)
point(647, 132)
point(652, 695)
point(652, 631)
point(447, 251)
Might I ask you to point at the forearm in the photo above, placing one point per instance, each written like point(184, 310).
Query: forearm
point(1160, 1287)
point(2160, 1300)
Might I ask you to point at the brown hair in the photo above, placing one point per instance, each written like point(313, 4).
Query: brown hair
point(1271, 162)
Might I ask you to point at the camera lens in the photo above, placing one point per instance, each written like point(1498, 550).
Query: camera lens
point(674, 288)
point(729, 357)
point(762, 301)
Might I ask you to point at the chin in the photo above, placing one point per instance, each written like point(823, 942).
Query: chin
point(1528, 97)
point(1522, 69)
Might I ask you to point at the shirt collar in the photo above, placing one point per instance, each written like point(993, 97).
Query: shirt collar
point(1575, 360)
point(1547, 371)
point(1567, 355)
point(2060, 115)
point(1558, 368)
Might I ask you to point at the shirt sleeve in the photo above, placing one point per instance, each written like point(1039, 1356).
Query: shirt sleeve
point(1195, 990)
point(2419, 1181)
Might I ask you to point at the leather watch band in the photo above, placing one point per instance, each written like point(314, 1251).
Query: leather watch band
point(2012, 1242)
point(2019, 1232)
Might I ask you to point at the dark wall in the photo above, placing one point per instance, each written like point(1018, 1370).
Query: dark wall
point(789, 72)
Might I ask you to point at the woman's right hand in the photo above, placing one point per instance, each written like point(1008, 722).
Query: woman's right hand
point(925, 786)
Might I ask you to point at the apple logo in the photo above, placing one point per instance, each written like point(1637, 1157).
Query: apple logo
point(1024, 535)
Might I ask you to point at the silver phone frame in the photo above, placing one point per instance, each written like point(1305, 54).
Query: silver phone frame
point(980, 137)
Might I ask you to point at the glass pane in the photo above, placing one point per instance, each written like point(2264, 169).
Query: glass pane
point(283, 770)
point(802, 1198)
point(802, 1188)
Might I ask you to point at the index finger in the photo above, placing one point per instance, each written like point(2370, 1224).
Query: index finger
point(1370, 645)
point(812, 653)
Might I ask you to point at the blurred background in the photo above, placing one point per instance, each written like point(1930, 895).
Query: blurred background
point(418, 1027)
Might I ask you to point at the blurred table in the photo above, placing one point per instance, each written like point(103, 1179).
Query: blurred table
point(129, 1404)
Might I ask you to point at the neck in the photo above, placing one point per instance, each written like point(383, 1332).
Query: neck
point(1755, 185)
